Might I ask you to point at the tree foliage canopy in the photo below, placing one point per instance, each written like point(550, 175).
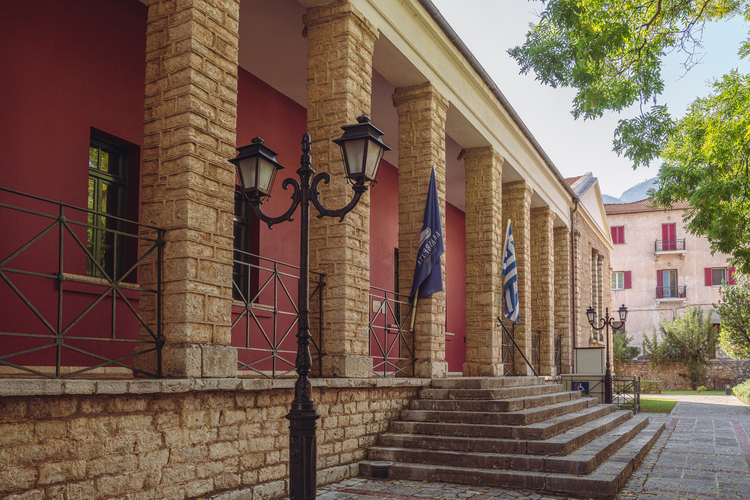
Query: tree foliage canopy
point(734, 309)
point(611, 53)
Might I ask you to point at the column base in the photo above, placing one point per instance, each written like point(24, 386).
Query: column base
point(431, 369)
point(483, 370)
point(347, 366)
point(199, 361)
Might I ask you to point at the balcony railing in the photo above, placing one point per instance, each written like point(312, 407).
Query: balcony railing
point(66, 310)
point(671, 292)
point(265, 313)
point(669, 245)
point(391, 335)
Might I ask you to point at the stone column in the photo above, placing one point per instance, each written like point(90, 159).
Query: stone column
point(484, 247)
point(421, 143)
point(542, 294)
point(562, 290)
point(187, 182)
point(339, 87)
point(517, 208)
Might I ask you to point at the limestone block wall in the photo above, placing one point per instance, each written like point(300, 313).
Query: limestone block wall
point(592, 285)
point(179, 438)
point(720, 372)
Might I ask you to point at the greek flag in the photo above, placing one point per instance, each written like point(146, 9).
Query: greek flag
point(428, 277)
point(510, 288)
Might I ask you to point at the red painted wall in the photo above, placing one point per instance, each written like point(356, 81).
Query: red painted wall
point(455, 270)
point(68, 67)
point(384, 228)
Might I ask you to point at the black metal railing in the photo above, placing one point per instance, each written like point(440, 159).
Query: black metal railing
point(265, 314)
point(510, 347)
point(536, 350)
point(671, 292)
point(391, 334)
point(558, 354)
point(626, 391)
point(67, 310)
point(669, 245)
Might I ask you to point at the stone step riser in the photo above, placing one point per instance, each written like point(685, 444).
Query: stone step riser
point(494, 406)
point(617, 438)
point(604, 484)
point(514, 460)
point(486, 382)
point(508, 445)
point(496, 431)
point(521, 418)
point(490, 394)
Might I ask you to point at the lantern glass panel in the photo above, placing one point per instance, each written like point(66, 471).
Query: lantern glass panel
point(248, 167)
point(591, 314)
point(374, 155)
point(266, 174)
point(354, 152)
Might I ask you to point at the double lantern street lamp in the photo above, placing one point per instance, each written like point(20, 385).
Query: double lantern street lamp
point(607, 321)
point(362, 150)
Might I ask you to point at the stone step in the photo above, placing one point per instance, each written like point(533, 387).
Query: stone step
point(560, 445)
point(583, 461)
point(604, 482)
point(537, 431)
point(491, 393)
point(520, 417)
point(486, 382)
point(504, 405)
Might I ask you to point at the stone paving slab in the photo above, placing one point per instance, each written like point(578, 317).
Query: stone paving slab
point(703, 453)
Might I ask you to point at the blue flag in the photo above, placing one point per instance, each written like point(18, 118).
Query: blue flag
point(510, 287)
point(428, 277)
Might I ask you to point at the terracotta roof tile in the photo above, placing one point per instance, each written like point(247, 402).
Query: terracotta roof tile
point(639, 206)
point(572, 180)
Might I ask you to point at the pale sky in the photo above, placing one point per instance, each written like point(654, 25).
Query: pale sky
point(490, 27)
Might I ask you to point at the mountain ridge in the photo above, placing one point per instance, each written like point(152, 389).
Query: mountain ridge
point(635, 193)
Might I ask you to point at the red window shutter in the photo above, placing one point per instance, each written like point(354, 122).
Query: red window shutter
point(659, 285)
point(613, 230)
point(627, 280)
point(730, 276)
point(707, 272)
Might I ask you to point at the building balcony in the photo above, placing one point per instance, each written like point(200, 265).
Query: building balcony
point(671, 293)
point(670, 247)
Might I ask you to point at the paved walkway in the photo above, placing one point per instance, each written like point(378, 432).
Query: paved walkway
point(703, 453)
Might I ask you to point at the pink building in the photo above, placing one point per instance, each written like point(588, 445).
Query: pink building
point(658, 269)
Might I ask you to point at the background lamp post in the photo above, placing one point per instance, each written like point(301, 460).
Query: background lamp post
point(606, 322)
point(362, 151)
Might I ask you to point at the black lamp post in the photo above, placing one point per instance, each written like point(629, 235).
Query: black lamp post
point(362, 150)
point(607, 321)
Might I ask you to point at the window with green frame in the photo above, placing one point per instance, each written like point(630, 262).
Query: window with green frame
point(107, 190)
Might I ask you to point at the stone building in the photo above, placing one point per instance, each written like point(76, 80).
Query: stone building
point(592, 248)
point(658, 270)
point(146, 348)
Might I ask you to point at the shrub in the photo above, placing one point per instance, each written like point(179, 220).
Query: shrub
point(701, 389)
point(651, 386)
point(742, 391)
point(690, 340)
point(622, 351)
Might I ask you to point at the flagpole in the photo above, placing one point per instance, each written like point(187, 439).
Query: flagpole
point(414, 310)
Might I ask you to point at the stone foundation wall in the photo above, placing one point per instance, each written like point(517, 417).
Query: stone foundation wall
point(720, 373)
point(179, 439)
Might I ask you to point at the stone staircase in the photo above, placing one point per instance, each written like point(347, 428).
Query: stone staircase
point(516, 432)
